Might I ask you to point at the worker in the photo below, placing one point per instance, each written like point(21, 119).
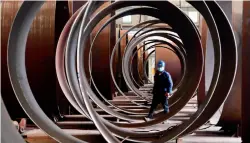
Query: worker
point(162, 89)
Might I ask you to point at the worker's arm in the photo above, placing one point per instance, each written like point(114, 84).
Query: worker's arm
point(169, 84)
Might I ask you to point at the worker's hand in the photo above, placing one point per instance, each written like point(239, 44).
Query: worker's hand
point(167, 94)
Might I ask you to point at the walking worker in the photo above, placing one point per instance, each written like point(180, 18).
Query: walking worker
point(162, 89)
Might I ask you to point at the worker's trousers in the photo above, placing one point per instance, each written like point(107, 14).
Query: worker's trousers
point(156, 100)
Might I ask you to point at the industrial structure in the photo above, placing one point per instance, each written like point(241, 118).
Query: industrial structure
point(83, 71)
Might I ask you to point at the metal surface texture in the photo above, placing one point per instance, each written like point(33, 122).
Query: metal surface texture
point(152, 22)
point(42, 63)
point(70, 63)
point(189, 88)
point(231, 111)
point(163, 43)
point(18, 76)
point(245, 72)
point(168, 37)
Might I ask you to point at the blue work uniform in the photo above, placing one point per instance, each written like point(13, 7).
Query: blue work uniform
point(162, 84)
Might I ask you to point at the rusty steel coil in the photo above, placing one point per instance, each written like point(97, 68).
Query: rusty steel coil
point(73, 81)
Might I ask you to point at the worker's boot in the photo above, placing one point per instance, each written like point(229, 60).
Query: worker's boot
point(148, 118)
point(166, 111)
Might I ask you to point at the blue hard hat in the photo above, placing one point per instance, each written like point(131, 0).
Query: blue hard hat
point(161, 64)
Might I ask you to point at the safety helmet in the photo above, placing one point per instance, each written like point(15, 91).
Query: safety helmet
point(161, 66)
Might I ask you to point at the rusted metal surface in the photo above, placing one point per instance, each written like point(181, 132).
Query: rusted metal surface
point(231, 113)
point(39, 58)
point(8, 11)
point(61, 17)
point(100, 57)
point(245, 122)
point(173, 64)
point(228, 69)
point(16, 54)
point(202, 89)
